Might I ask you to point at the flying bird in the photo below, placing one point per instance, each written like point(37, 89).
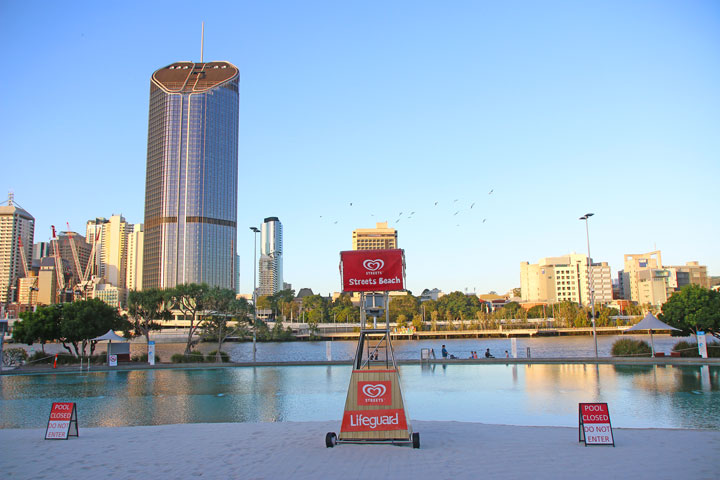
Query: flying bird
point(456, 213)
point(490, 191)
point(335, 221)
point(472, 205)
point(436, 204)
point(455, 200)
point(484, 220)
point(351, 204)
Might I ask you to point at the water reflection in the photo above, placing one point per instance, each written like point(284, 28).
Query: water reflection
point(539, 394)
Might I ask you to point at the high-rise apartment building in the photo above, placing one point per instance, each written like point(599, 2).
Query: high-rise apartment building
point(191, 179)
point(566, 278)
point(379, 238)
point(16, 226)
point(135, 241)
point(270, 266)
point(110, 237)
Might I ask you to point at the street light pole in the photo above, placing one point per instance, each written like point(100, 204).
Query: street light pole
point(590, 279)
point(255, 231)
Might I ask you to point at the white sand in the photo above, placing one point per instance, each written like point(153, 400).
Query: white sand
point(449, 450)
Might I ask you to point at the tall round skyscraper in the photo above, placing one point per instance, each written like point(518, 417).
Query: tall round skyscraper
point(191, 179)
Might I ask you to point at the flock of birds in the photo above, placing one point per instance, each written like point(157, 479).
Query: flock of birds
point(409, 215)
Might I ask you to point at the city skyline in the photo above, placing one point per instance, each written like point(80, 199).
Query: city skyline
point(516, 120)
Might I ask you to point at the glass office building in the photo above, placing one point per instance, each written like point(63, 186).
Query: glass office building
point(191, 179)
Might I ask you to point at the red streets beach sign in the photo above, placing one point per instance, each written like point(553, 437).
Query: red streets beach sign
point(374, 420)
point(372, 270)
point(595, 427)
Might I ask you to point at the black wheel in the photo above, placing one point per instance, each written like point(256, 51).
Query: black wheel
point(416, 440)
point(330, 440)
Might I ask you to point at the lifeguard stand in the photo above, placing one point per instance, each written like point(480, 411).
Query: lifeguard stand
point(374, 407)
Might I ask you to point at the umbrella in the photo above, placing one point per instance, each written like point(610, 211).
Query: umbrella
point(650, 322)
point(109, 336)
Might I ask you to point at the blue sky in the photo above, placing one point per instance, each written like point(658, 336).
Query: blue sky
point(559, 108)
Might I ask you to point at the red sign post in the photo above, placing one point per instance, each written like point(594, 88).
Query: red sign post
point(594, 424)
point(372, 270)
point(63, 421)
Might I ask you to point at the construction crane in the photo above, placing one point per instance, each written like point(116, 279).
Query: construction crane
point(73, 248)
point(23, 259)
point(59, 273)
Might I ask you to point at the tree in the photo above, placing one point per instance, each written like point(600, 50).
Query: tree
point(221, 306)
point(283, 298)
point(693, 309)
point(190, 299)
point(405, 305)
point(86, 319)
point(537, 311)
point(315, 307)
point(42, 325)
point(146, 306)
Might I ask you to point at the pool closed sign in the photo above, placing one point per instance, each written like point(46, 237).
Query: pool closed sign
point(594, 424)
point(63, 421)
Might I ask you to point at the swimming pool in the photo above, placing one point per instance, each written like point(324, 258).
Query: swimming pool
point(522, 394)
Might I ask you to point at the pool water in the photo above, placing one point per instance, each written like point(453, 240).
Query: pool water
point(521, 394)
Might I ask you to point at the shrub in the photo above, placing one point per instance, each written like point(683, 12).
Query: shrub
point(14, 356)
point(196, 357)
point(40, 358)
point(629, 347)
point(177, 358)
point(143, 357)
point(690, 349)
point(211, 357)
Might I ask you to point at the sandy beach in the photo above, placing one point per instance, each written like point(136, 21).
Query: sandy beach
point(449, 450)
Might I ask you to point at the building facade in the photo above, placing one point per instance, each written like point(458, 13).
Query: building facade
point(16, 227)
point(135, 242)
point(566, 279)
point(379, 238)
point(270, 266)
point(645, 280)
point(191, 178)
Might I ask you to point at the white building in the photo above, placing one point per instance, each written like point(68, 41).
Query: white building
point(561, 279)
point(270, 266)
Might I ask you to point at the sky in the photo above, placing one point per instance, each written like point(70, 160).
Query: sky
point(498, 124)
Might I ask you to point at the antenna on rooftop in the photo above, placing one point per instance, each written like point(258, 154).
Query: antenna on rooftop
point(202, 41)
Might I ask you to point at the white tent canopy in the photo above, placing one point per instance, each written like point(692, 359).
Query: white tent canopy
point(111, 336)
point(650, 323)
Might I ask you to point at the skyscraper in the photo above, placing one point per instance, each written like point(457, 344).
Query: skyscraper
point(191, 180)
point(271, 260)
point(16, 226)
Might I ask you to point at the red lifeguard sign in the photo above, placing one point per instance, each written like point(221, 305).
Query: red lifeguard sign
point(372, 270)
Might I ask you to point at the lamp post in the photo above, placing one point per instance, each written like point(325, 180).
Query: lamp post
point(590, 279)
point(255, 231)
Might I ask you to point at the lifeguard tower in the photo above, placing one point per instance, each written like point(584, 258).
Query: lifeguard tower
point(374, 408)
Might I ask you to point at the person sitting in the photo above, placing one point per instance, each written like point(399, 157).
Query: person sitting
point(488, 354)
